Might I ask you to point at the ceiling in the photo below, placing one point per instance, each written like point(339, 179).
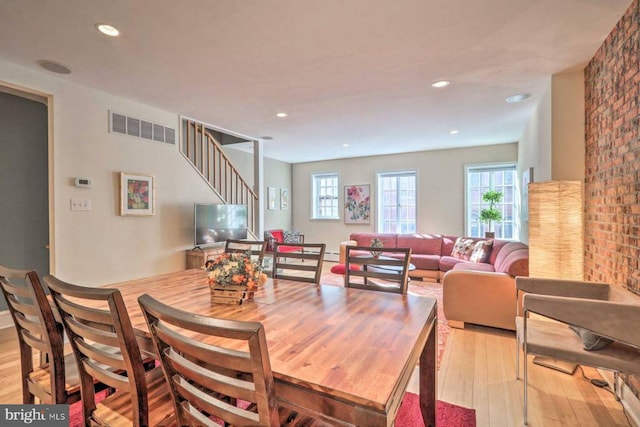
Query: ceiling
point(355, 72)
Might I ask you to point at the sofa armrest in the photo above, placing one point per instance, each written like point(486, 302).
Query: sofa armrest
point(463, 290)
point(343, 250)
point(563, 288)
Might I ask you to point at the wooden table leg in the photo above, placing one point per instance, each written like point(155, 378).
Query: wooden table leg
point(429, 377)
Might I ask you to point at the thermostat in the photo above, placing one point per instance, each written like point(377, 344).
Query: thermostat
point(83, 182)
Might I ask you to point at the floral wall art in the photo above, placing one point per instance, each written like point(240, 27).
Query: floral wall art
point(137, 194)
point(357, 204)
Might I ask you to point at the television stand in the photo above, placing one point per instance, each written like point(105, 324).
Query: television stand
point(197, 256)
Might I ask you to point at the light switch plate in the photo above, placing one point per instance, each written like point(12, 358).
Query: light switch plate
point(80, 204)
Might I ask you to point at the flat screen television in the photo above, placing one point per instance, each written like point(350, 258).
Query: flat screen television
point(217, 222)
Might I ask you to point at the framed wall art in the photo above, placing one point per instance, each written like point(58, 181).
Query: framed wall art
point(271, 198)
point(137, 194)
point(284, 198)
point(357, 204)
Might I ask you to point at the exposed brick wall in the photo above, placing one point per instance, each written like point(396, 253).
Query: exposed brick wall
point(612, 175)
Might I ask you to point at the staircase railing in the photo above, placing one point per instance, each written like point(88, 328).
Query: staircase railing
point(205, 153)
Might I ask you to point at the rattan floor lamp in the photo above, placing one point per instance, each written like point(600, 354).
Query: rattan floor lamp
point(556, 248)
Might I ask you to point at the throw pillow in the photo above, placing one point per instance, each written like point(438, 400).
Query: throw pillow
point(481, 251)
point(292, 237)
point(462, 248)
point(591, 341)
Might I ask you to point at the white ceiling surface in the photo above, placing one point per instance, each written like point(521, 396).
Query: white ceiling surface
point(355, 72)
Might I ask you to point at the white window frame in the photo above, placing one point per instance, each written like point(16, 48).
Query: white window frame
point(516, 191)
point(315, 196)
point(380, 198)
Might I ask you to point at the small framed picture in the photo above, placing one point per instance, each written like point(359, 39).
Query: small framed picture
point(284, 198)
point(271, 198)
point(137, 194)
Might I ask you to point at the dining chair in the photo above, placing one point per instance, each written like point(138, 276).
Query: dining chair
point(387, 273)
point(255, 248)
point(107, 350)
point(586, 323)
point(216, 368)
point(55, 379)
point(304, 266)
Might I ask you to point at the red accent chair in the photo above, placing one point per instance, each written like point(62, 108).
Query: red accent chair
point(281, 236)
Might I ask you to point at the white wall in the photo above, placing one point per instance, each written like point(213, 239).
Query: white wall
point(568, 136)
point(440, 188)
point(278, 176)
point(553, 142)
point(101, 246)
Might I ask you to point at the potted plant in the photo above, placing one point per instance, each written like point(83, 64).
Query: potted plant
point(490, 214)
point(376, 243)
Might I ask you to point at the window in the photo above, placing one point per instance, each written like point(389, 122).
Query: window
point(397, 202)
point(325, 196)
point(482, 178)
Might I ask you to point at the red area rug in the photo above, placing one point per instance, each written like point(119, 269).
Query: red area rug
point(447, 414)
point(416, 287)
point(409, 415)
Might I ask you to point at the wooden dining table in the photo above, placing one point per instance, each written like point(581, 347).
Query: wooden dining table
point(344, 355)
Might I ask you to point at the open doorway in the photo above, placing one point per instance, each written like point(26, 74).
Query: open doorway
point(24, 181)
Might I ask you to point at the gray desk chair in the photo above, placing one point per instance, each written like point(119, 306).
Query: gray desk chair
point(604, 314)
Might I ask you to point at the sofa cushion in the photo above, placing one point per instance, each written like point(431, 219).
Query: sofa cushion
point(427, 244)
point(447, 244)
point(463, 248)
point(364, 239)
point(473, 266)
point(425, 262)
point(513, 259)
point(495, 250)
point(447, 262)
point(481, 251)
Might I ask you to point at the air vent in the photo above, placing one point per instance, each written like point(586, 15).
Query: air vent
point(119, 123)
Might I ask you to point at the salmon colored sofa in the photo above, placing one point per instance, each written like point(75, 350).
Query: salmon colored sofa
point(482, 293)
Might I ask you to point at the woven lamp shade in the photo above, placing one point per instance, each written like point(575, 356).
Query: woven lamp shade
point(556, 230)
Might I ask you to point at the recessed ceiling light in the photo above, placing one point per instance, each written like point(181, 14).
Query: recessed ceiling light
point(54, 67)
point(345, 145)
point(454, 131)
point(518, 97)
point(281, 114)
point(440, 83)
point(266, 138)
point(108, 30)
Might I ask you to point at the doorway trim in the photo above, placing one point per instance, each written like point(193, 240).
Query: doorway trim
point(47, 99)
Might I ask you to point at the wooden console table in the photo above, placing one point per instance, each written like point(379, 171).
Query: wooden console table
point(197, 257)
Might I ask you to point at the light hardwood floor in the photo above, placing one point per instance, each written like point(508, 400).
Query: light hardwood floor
point(477, 371)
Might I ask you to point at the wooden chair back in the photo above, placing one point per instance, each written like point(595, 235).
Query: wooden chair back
point(388, 272)
point(104, 344)
point(38, 330)
point(203, 376)
point(304, 266)
point(255, 248)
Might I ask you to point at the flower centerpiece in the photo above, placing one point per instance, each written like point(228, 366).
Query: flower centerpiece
point(233, 277)
point(376, 243)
